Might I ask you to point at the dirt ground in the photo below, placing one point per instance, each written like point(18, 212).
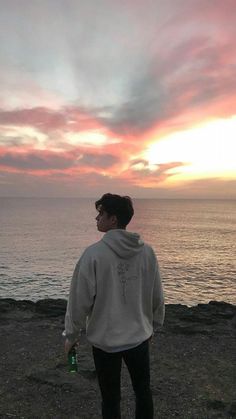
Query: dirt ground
point(193, 365)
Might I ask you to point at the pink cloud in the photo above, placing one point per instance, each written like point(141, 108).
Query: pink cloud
point(46, 119)
point(38, 161)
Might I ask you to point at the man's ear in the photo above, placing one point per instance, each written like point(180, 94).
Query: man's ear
point(114, 220)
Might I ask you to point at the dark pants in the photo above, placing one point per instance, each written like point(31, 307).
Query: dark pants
point(108, 367)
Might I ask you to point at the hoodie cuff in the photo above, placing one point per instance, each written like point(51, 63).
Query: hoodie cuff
point(72, 337)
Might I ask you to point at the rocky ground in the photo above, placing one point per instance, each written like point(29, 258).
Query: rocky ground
point(193, 363)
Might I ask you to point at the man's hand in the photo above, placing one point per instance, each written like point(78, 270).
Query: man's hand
point(69, 345)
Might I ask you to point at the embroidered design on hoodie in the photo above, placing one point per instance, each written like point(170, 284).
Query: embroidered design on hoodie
point(122, 270)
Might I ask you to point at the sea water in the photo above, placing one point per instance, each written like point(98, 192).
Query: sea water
point(41, 240)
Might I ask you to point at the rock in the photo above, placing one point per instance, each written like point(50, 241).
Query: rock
point(23, 309)
point(16, 310)
point(50, 307)
point(203, 318)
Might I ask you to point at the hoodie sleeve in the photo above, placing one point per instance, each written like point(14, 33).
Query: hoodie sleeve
point(81, 297)
point(158, 301)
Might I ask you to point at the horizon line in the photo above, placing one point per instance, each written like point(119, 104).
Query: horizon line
point(132, 197)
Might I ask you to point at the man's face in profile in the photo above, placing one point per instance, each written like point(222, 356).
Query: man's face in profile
point(105, 222)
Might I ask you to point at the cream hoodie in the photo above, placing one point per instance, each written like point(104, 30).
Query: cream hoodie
point(116, 290)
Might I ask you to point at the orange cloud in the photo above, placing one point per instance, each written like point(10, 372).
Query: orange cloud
point(68, 112)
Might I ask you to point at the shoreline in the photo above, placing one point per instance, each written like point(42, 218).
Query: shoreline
point(60, 301)
point(192, 360)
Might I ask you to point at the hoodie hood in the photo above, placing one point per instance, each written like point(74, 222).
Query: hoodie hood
point(123, 243)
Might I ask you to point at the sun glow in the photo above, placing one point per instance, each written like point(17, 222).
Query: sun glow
point(89, 138)
point(205, 151)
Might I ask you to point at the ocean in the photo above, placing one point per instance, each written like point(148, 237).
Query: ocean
point(42, 238)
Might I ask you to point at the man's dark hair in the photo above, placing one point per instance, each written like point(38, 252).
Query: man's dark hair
point(120, 206)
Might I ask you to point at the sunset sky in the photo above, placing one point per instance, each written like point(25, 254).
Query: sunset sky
point(134, 97)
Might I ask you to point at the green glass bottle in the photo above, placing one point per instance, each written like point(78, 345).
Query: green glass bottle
point(72, 360)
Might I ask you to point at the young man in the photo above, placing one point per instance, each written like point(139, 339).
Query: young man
point(116, 290)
